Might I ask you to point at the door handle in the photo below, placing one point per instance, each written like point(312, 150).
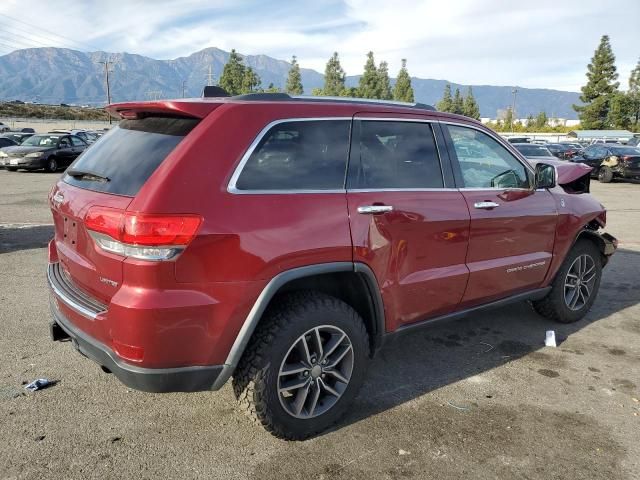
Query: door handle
point(373, 209)
point(486, 205)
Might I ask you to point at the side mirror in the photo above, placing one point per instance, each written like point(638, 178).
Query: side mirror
point(545, 176)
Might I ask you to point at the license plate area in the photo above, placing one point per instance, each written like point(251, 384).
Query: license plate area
point(70, 232)
point(13, 161)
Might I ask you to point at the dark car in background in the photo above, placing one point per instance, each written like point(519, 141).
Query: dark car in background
point(531, 151)
point(7, 142)
point(48, 152)
point(611, 161)
point(563, 151)
point(17, 137)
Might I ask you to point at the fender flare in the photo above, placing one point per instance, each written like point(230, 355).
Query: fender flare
point(275, 284)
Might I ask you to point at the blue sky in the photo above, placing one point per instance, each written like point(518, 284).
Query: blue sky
point(540, 43)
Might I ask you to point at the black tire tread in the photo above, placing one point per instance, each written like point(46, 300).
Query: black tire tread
point(248, 379)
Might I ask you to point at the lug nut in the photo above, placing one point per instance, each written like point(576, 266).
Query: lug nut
point(306, 373)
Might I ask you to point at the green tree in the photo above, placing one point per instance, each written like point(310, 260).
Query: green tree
point(294, 80)
point(384, 84)
point(634, 96)
point(250, 81)
point(232, 77)
point(470, 107)
point(541, 120)
point(530, 121)
point(334, 77)
point(446, 104)
point(457, 105)
point(272, 89)
point(368, 85)
point(402, 90)
point(620, 111)
point(600, 88)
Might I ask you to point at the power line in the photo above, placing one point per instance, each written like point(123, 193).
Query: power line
point(85, 45)
point(34, 39)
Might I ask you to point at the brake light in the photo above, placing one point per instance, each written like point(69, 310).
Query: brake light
point(140, 235)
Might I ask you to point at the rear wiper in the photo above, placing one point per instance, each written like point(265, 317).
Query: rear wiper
point(87, 175)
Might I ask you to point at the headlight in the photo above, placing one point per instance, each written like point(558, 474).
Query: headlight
point(2, 154)
point(33, 155)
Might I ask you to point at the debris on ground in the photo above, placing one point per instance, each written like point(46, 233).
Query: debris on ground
point(491, 347)
point(403, 452)
point(457, 407)
point(550, 339)
point(40, 384)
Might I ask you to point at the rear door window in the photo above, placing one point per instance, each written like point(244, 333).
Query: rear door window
point(298, 155)
point(125, 157)
point(394, 155)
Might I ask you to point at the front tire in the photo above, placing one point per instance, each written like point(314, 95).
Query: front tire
point(304, 365)
point(605, 175)
point(576, 285)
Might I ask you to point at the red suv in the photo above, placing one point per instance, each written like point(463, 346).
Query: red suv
point(283, 241)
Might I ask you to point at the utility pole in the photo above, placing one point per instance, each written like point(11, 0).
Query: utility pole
point(513, 106)
point(106, 64)
point(209, 77)
point(184, 85)
point(154, 94)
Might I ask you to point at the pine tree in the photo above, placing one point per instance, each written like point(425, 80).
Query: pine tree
point(541, 120)
point(334, 77)
point(368, 85)
point(457, 105)
point(446, 104)
point(250, 81)
point(294, 80)
point(403, 91)
point(272, 89)
point(634, 96)
point(233, 74)
point(384, 84)
point(601, 85)
point(471, 108)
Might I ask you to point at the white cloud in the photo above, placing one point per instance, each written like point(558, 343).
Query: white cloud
point(544, 44)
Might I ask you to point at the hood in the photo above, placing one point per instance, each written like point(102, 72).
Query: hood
point(20, 150)
point(567, 172)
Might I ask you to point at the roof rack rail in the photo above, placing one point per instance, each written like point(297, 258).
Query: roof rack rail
point(306, 98)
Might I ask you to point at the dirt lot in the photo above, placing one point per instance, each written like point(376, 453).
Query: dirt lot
point(479, 398)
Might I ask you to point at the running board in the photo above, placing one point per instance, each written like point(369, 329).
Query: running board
point(530, 295)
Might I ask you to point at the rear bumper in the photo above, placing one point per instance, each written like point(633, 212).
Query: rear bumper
point(185, 379)
point(180, 379)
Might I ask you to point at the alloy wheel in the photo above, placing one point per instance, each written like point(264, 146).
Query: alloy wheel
point(315, 372)
point(579, 282)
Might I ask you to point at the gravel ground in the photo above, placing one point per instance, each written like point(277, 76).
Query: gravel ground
point(478, 398)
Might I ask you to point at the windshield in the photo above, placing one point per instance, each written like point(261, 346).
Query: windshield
point(42, 141)
point(533, 151)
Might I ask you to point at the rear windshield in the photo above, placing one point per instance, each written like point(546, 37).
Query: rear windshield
point(122, 160)
point(625, 151)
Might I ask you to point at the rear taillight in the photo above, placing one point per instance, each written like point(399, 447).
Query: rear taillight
point(141, 235)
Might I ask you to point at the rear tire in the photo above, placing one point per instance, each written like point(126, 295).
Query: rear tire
point(11, 169)
point(605, 175)
point(304, 365)
point(52, 165)
point(576, 285)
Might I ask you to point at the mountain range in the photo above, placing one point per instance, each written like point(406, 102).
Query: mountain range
point(60, 75)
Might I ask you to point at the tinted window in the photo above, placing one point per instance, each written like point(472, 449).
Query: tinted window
point(64, 142)
point(485, 163)
point(299, 155)
point(129, 153)
point(624, 151)
point(394, 155)
point(77, 142)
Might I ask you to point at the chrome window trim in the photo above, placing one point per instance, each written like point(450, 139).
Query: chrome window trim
point(497, 138)
point(368, 190)
point(231, 187)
